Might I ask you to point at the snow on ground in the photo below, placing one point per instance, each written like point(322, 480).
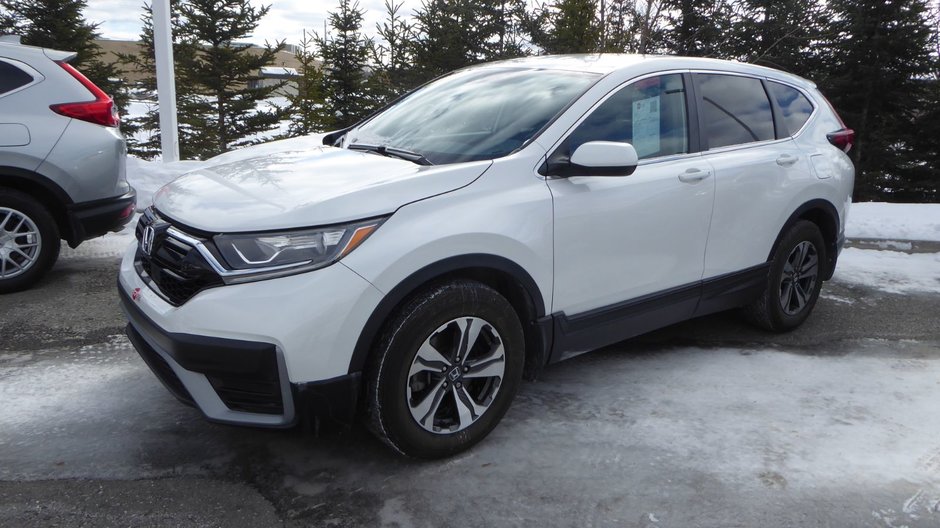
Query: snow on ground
point(890, 271)
point(892, 221)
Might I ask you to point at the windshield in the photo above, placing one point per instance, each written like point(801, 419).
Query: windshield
point(474, 115)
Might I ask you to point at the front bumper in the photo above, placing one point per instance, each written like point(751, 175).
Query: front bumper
point(262, 354)
point(93, 219)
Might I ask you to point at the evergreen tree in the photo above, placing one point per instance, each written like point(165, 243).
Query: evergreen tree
point(633, 26)
point(223, 71)
point(60, 24)
point(306, 107)
point(567, 26)
point(701, 28)
point(8, 21)
point(779, 33)
point(455, 34)
point(392, 51)
point(392, 54)
point(446, 37)
point(878, 64)
point(346, 51)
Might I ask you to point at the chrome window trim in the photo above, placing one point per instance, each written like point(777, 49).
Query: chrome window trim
point(788, 84)
point(808, 97)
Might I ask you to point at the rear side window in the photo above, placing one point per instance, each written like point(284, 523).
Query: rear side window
point(12, 77)
point(735, 109)
point(650, 114)
point(794, 106)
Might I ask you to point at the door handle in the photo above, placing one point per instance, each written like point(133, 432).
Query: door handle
point(694, 175)
point(787, 160)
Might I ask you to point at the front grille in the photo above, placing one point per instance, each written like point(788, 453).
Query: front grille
point(173, 268)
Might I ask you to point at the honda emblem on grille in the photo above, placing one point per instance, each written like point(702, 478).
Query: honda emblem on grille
point(146, 240)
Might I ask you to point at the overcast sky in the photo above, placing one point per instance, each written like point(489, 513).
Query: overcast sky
point(120, 19)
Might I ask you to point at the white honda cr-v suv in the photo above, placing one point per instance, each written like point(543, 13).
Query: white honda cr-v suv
point(415, 267)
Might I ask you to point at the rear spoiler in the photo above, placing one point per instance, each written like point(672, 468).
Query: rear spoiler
point(59, 56)
point(55, 55)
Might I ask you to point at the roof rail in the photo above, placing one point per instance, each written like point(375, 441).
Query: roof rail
point(12, 39)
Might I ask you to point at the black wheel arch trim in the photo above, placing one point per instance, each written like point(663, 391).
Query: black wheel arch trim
point(832, 243)
point(31, 178)
point(537, 329)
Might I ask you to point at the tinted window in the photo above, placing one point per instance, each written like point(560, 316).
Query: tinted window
point(794, 106)
point(12, 77)
point(736, 110)
point(650, 114)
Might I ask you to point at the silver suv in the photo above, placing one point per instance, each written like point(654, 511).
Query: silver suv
point(62, 161)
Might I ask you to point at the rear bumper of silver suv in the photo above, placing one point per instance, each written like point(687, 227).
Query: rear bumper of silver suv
point(98, 217)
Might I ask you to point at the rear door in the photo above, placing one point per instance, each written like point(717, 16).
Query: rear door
point(758, 170)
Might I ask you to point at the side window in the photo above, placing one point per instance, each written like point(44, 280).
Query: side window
point(650, 114)
point(12, 77)
point(735, 109)
point(794, 106)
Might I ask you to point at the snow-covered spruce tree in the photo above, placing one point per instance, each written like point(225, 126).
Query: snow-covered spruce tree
point(306, 107)
point(221, 71)
point(60, 24)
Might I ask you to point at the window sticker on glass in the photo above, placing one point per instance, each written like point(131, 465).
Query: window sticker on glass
point(646, 126)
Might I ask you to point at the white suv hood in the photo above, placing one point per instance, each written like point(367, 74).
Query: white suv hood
point(301, 183)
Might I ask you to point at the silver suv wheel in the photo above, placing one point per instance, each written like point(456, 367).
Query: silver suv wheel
point(20, 243)
point(455, 375)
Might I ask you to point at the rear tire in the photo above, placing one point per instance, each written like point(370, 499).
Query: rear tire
point(445, 370)
point(794, 280)
point(29, 241)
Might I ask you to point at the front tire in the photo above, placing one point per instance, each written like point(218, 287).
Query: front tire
point(794, 280)
point(446, 370)
point(29, 241)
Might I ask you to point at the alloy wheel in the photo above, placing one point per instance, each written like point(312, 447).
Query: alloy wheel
point(20, 243)
point(455, 375)
point(799, 277)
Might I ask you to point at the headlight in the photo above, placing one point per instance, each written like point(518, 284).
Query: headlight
point(305, 249)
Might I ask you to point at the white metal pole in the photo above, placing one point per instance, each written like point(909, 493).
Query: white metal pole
point(166, 81)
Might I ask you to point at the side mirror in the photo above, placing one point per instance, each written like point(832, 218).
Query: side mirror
point(604, 158)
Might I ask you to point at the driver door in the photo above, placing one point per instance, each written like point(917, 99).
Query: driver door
point(629, 250)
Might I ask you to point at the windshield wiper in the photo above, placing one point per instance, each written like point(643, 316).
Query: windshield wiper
point(392, 152)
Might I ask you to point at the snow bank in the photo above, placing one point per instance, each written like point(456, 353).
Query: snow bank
point(890, 271)
point(894, 221)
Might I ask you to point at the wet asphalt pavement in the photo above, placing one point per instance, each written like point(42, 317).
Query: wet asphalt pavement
point(707, 423)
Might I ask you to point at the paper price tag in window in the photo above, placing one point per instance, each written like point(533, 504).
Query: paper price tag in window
point(646, 126)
